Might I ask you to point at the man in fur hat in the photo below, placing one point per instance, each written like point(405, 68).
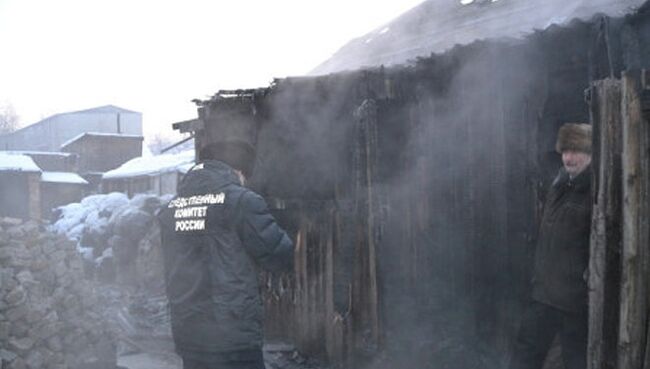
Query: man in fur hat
point(559, 296)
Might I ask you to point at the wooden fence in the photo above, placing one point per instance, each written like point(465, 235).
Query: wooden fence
point(620, 255)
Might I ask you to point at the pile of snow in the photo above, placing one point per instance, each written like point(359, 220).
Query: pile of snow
point(92, 213)
point(108, 225)
point(17, 162)
point(142, 166)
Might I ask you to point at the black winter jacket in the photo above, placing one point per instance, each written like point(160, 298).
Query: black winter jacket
point(562, 253)
point(215, 233)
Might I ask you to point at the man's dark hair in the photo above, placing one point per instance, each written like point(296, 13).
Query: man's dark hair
point(239, 155)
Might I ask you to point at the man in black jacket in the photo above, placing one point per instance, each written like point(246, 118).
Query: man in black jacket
point(559, 293)
point(215, 234)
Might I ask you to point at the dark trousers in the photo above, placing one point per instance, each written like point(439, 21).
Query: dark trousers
point(249, 359)
point(539, 326)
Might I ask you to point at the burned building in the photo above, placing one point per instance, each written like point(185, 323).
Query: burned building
point(413, 192)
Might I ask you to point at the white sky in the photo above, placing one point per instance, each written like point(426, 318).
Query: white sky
point(155, 56)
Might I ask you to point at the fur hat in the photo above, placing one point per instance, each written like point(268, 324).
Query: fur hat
point(574, 136)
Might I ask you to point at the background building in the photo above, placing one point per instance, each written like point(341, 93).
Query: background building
point(52, 161)
point(50, 133)
point(29, 191)
point(158, 175)
point(60, 188)
point(20, 193)
point(101, 152)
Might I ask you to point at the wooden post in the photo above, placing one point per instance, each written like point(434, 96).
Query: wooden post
point(604, 263)
point(366, 300)
point(644, 216)
point(634, 284)
point(34, 190)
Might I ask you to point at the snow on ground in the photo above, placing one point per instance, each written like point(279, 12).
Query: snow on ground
point(17, 162)
point(92, 212)
point(107, 254)
point(146, 360)
point(92, 221)
point(71, 221)
point(283, 358)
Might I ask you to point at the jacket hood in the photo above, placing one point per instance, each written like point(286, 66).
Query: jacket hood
point(210, 175)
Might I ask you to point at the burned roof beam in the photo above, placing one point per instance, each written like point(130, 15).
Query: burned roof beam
point(177, 144)
point(191, 125)
point(233, 94)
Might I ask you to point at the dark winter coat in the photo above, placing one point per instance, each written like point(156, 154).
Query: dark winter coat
point(215, 233)
point(562, 253)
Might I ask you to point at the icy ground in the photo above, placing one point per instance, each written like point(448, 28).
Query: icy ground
point(141, 321)
point(286, 358)
point(149, 361)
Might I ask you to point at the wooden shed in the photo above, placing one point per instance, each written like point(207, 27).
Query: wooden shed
point(413, 193)
point(60, 188)
point(101, 152)
point(52, 160)
point(20, 193)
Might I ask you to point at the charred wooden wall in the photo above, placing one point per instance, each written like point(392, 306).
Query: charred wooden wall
point(413, 193)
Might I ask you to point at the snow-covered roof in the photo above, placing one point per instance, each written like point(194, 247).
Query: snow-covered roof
point(17, 163)
point(62, 177)
point(436, 26)
point(104, 109)
point(153, 165)
point(48, 153)
point(98, 134)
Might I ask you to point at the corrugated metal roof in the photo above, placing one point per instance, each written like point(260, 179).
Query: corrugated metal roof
point(103, 109)
point(100, 109)
point(438, 25)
